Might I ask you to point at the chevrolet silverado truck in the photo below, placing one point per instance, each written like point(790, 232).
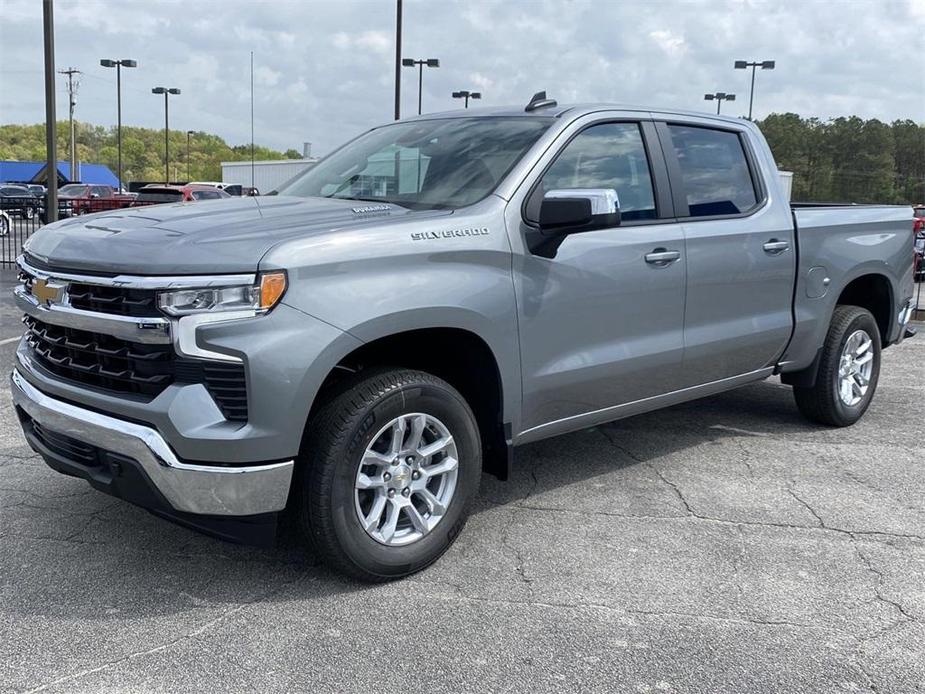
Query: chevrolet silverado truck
point(357, 350)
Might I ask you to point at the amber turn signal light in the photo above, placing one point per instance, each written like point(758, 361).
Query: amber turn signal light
point(272, 288)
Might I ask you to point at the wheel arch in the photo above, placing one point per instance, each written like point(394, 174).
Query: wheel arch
point(456, 351)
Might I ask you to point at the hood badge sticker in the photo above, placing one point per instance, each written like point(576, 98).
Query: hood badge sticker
point(371, 208)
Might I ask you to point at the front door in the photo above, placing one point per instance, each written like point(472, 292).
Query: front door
point(601, 323)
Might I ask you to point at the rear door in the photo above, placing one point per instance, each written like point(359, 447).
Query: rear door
point(740, 250)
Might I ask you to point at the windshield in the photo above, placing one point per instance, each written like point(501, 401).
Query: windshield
point(432, 164)
point(73, 191)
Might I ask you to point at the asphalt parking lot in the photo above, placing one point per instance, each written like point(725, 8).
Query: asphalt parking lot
point(725, 545)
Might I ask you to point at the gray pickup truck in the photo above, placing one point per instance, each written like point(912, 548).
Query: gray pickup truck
point(357, 350)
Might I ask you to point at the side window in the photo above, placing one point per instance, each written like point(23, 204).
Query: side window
point(610, 155)
point(714, 171)
point(98, 190)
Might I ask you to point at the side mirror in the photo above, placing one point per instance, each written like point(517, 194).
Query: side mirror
point(572, 211)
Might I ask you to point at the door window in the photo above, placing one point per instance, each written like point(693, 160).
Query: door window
point(714, 171)
point(609, 155)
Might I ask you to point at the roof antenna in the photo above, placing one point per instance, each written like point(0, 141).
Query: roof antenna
point(539, 100)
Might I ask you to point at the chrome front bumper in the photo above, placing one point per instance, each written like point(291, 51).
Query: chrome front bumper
point(200, 489)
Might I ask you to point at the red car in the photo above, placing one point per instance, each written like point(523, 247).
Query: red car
point(157, 194)
point(81, 198)
point(918, 232)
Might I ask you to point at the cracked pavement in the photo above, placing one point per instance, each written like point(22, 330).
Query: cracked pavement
point(725, 545)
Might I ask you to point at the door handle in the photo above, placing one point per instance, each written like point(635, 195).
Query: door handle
point(662, 257)
point(775, 247)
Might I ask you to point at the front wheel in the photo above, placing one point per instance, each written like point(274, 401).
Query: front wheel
point(389, 468)
point(849, 369)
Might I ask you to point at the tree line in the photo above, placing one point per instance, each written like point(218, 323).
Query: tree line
point(838, 160)
point(849, 159)
point(142, 150)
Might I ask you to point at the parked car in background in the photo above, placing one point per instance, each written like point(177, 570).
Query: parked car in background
point(37, 189)
point(158, 194)
point(214, 184)
point(919, 226)
point(17, 200)
point(84, 198)
point(239, 190)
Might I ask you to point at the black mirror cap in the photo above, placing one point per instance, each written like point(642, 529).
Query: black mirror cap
point(564, 213)
point(560, 217)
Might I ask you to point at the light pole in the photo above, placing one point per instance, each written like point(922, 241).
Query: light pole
point(764, 65)
point(398, 60)
point(719, 97)
point(466, 94)
point(51, 124)
point(166, 91)
point(118, 65)
point(189, 177)
point(429, 62)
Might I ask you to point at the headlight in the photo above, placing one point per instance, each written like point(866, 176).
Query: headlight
point(260, 297)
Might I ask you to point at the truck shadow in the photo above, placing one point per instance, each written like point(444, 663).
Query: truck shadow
point(149, 567)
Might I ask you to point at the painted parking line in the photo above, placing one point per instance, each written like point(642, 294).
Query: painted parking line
point(10, 339)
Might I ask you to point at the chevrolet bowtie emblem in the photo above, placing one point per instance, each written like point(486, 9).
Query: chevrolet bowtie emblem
point(45, 292)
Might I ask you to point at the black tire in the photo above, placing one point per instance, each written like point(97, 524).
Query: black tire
point(336, 441)
point(821, 402)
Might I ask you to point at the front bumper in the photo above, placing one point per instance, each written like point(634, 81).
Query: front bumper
point(186, 488)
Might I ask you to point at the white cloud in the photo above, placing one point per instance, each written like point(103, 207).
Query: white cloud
point(324, 69)
point(669, 42)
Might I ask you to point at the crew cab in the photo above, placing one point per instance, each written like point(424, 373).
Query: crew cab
point(358, 349)
point(86, 198)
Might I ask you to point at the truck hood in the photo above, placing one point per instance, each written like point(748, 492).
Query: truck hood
point(215, 236)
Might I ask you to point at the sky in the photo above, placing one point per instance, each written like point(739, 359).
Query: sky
point(324, 71)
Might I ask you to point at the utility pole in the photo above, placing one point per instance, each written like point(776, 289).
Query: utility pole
point(51, 122)
point(72, 86)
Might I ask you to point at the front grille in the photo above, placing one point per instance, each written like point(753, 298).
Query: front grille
point(121, 301)
point(101, 360)
point(119, 366)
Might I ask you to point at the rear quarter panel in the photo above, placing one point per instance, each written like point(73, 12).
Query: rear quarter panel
point(842, 244)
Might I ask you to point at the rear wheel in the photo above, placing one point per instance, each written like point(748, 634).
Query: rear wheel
point(389, 468)
point(4, 224)
point(849, 370)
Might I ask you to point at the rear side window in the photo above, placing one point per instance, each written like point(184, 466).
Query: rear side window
point(714, 171)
